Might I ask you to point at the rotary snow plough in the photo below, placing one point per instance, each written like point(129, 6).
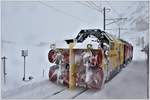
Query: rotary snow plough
point(88, 60)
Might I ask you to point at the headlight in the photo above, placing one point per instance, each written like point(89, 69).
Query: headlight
point(89, 46)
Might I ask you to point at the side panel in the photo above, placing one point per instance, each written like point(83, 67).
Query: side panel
point(121, 53)
point(126, 52)
point(113, 56)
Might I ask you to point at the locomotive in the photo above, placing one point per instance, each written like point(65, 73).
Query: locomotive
point(89, 60)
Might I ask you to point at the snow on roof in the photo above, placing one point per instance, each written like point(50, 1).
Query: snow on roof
point(89, 40)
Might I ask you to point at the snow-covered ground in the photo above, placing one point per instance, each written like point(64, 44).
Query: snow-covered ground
point(131, 82)
point(15, 65)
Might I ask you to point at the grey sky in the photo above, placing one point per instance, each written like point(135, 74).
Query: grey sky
point(33, 22)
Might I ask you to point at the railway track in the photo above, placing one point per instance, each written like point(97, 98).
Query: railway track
point(44, 89)
point(79, 93)
point(67, 94)
point(55, 93)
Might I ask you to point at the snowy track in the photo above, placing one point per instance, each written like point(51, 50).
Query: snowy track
point(131, 82)
point(44, 89)
point(38, 90)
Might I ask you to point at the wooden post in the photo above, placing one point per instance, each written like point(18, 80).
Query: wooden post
point(4, 68)
point(72, 68)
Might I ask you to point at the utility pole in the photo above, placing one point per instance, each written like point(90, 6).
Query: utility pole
point(4, 68)
point(119, 34)
point(104, 17)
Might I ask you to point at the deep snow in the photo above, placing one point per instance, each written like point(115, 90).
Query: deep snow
point(131, 82)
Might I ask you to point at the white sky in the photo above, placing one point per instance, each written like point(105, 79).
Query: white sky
point(33, 22)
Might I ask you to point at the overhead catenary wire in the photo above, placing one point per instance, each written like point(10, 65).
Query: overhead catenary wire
point(114, 10)
point(65, 13)
point(89, 6)
point(127, 14)
point(112, 22)
point(92, 4)
point(119, 15)
point(98, 7)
